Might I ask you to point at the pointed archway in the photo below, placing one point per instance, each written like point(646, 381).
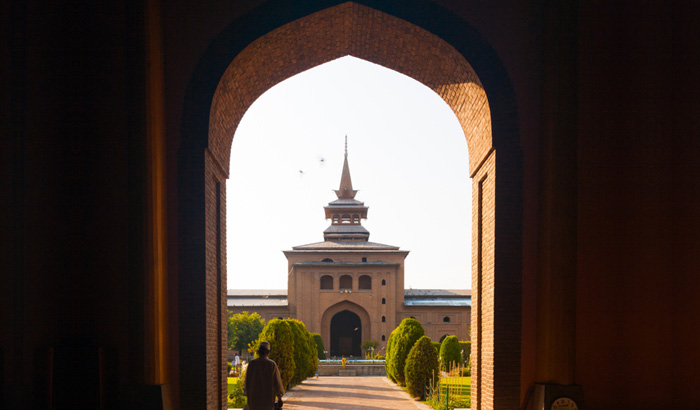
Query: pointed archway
point(346, 334)
point(433, 47)
point(364, 327)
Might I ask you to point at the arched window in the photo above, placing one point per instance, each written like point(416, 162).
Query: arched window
point(383, 338)
point(383, 301)
point(355, 219)
point(335, 219)
point(365, 282)
point(345, 219)
point(383, 282)
point(413, 317)
point(442, 338)
point(346, 282)
point(383, 319)
point(327, 260)
point(446, 319)
point(326, 282)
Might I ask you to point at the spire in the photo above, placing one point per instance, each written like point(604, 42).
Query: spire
point(346, 212)
point(345, 191)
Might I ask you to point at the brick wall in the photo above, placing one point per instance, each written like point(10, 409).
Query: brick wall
point(215, 249)
point(483, 221)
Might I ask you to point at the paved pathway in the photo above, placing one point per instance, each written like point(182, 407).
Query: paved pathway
point(346, 393)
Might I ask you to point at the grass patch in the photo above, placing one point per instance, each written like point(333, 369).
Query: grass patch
point(461, 386)
point(454, 391)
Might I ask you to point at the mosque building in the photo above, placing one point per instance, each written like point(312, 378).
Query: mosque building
point(349, 289)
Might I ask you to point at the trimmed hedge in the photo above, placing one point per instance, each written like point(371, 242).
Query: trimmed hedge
point(389, 356)
point(304, 352)
point(421, 366)
point(450, 353)
point(319, 346)
point(279, 334)
point(402, 340)
point(313, 355)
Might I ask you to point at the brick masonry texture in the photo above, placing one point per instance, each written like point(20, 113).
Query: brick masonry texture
point(350, 29)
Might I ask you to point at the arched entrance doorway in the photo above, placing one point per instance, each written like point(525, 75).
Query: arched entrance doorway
point(346, 334)
point(348, 314)
point(445, 54)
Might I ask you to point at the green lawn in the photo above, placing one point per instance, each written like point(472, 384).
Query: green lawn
point(465, 383)
point(462, 386)
point(459, 393)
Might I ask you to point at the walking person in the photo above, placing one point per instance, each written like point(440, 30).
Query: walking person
point(237, 364)
point(263, 382)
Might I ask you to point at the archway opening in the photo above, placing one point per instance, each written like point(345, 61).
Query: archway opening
point(346, 334)
point(298, 150)
point(239, 67)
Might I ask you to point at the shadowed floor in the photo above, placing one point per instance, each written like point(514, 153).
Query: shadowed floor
point(345, 393)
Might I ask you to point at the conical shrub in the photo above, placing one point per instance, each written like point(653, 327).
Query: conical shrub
point(304, 355)
point(279, 334)
point(402, 340)
point(389, 357)
point(450, 352)
point(421, 366)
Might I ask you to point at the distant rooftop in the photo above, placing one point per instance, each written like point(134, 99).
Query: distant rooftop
point(257, 292)
point(438, 301)
point(256, 297)
point(413, 297)
point(256, 301)
point(438, 292)
point(437, 297)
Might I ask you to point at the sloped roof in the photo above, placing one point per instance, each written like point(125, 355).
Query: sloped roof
point(338, 245)
point(344, 202)
point(257, 292)
point(373, 263)
point(438, 292)
point(437, 297)
point(437, 301)
point(256, 301)
point(350, 228)
point(256, 297)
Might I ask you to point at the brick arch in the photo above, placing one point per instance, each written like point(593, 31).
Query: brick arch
point(359, 31)
point(339, 307)
point(490, 126)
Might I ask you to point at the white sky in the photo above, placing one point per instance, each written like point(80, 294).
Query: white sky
point(408, 159)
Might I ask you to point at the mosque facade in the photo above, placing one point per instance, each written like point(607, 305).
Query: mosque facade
point(349, 289)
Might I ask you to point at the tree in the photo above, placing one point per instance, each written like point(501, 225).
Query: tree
point(450, 352)
point(319, 346)
point(305, 360)
point(402, 340)
point(243, 328)
point(279, 333)
point(421, 366)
